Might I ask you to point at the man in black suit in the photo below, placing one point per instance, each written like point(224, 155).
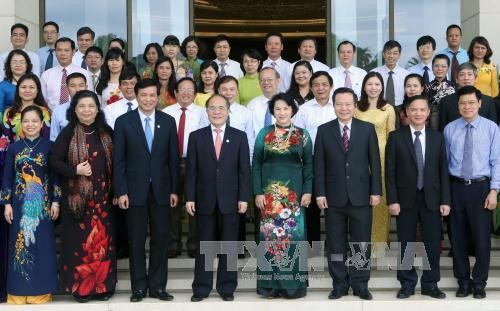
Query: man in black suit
point(418, 190)
point(347, 182)
point(217, 190)
point(448, 110)
point(146, 163)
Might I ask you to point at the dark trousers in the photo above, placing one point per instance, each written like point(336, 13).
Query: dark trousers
point(358, 220)
point(122, 249)
point(469, 215)
point(176, 217)
point(137, 220)
point(215, 227)
point(313, 224)
point(430, 224)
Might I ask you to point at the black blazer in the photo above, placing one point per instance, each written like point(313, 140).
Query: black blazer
point(347, 176)
point(135, 167)
point(211, 182)
point(448, 110)
point(401, 169)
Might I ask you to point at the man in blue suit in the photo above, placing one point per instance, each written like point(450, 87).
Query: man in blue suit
point(217, 190)
point(146, 164)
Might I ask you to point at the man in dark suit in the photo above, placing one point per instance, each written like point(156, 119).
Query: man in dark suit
point(347, 182)
point(418, 189)
point(146, 163)
point(217, 190)
point(448, 110)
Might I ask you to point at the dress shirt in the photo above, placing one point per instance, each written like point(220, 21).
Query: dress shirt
point(355, 74)
point(95, 78)
point(51, 83)
point(421, 138)
point(112, 112)
point(486, 151)
point(341, 127)
point(196, 118)
point(58, 120)
point(419, 69)
point(462, 57)
point(151, 121)
point(240, 118)
point(232, 68)
point(283, 67)
point(311, 115)
point(258, 107)
point(214, 133)
point(398, 77)
point(35, 61)
point(43, 54)
point(77, 58)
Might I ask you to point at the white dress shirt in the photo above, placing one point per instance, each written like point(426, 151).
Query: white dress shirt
point(43, 55)
point(282, 66)
point(341, 126)
point(398, 76)
point(419, 69)
point(421, 137)
point(78, 58)
point(232, 68)
point(311, 115)
point(35, 61)
point(196, 118)
point(356, 75)
point(240, 118)
point(214, 133)
point(258, 107)
point(112, 112)
point(58, 120)
point(151, 122)
point(51, 83)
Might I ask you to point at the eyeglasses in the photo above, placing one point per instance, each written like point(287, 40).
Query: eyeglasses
point(186, 91)
point(216, 108)
point(18, 62)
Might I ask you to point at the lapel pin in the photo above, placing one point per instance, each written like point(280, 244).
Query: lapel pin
point(158, 126)
point(227, 141)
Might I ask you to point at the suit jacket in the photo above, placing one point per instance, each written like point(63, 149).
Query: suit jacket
point(135, 167)
point(347, 176)
point(211, 182)
point(448, 110)
point(401, 169)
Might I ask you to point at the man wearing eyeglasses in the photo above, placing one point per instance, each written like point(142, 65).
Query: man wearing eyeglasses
point(188, 117)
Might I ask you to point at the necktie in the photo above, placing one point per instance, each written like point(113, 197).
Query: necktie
point(180, 131)
point(218, 143)
point(64, 96)
point(129, 104)
point(467, 158)
point(347, 81)
point(274, 64)
point(222, 71)
point(268, 119)
point(94, 79)
point(50, 59)
point(389, 91)
point(148, 133)
point(420, 160)
point(426, 75)
point(454, 67)
point(345, 138)
point(84, 66)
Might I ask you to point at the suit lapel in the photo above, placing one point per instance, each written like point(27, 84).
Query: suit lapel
point(156, 129)
point(428, 145)
point(225, 142)
point(137, 123)
point(209, 140)
point(336, 133)
point(354, 135)
point(409, 140)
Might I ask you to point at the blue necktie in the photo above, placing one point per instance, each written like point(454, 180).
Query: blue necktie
point(467, 154)
point(50, 60)
point(129, 104)
point(148, 133)
point(268, 119)
point(420, 160)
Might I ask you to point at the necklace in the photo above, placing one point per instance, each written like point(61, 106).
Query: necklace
point(31, 148)
point(283, 138)
point(90, 133)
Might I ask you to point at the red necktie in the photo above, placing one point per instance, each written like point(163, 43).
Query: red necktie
point(64, 96)
point(454, 68)
point(218, 143)
point(345, 138)
point(180, 131)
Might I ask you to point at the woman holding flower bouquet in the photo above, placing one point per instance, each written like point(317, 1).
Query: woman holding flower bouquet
point(282, 181)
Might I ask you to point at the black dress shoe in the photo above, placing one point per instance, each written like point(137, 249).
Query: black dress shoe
point(463, 291)
point(336, 294)
point(82, 299)
point(161, 294)
point(197, 298)
point(434, 292)
point(478, 293)
point(137, 295)
point(363, 294)
point(102, 297)
point(404, 293)
point(227, 297)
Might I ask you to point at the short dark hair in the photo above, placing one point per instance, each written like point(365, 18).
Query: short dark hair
point(120, 41)
point(144, 83)
point(65, 39)
point(274, 34)
point(217, 95)
point(85, 30)
point(469, 89)
point(94, 49)
point(345, 90)
point(128, 74)
point(186, 41)
point(345, 42)
point(426, 39)
point(414, 98)
point(171, 40)
point(51, 23)
point(152, 45)
point(392, 44)
point(252, 53)
point(8, 71)
point(19, 25)
point(482, 41)
point(453, 26)
point(321, 73)
point(441, 56)
point(306, 38)
point(284, 97)
point(224, 80)
point(176, 87)
point(221, 37)
point(469, 66)
point(33, 108)
point(75, 75)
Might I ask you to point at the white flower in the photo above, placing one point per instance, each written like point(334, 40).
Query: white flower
point(285, 213)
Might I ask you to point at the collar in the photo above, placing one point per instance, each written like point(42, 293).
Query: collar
point(143, 116)
point(349, 124)
point(189, 108)
point(276, 61)
point(474, 123)
point(350, 69)
point(223, 128)
point(413, 130)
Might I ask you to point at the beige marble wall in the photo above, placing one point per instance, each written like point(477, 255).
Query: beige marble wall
point(19, 11)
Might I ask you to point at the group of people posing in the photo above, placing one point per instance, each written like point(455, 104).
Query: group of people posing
point(103, 148)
